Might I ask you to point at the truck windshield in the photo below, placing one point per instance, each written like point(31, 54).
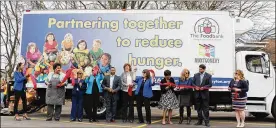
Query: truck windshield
point(255, 63)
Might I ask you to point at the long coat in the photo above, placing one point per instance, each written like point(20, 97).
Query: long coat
point(54, 95)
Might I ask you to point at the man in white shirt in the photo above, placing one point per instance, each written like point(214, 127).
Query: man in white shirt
point(111, 84)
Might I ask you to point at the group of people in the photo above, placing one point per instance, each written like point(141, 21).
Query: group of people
point(86, 92)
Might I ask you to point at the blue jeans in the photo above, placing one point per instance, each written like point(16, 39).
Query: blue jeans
point(2, 99)
point(77, 106)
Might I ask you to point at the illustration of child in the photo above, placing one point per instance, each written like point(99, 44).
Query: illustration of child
point(33, 55)
point(80, 53)
point(104, 66)
point(67, 44)
point(40, 73)
point(96, 51)
point(50, 45)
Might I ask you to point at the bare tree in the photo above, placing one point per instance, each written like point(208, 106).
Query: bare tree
point(10, 24)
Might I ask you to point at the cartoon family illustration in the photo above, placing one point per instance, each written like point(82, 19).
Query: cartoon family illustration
point(74, 57)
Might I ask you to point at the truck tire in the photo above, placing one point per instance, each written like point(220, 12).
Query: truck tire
point(259, 115)
point(102, 107)
point(273, 109)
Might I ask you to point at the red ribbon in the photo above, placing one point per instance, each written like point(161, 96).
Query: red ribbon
point(33, 81)
point(185, 86)
point(129, 91)
point(193, 87)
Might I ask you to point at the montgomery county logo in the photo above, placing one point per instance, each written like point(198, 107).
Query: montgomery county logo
point(207, 54)
point(206, 28)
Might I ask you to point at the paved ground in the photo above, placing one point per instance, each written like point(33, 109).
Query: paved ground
point(218, 119)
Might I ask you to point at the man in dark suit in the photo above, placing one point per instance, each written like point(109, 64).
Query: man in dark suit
point(202, 81)
point(111, 84)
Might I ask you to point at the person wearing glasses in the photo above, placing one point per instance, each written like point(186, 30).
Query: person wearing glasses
point(239, 86)
point(144, 93)
point(92, 95)
point(77, 97)
point(168, 100)
point(185, 95)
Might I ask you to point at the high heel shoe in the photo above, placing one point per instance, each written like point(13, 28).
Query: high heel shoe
point(242, 125)
point(17, 119)
point(26, 118)
point(180, 119)
point(170, 122)
point(189, 120)
point(163, 122)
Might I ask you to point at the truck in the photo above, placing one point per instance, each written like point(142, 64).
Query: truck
point(151, 39)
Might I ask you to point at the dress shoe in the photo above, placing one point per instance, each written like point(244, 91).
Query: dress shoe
point(94, 120)
point(112, 120)
point(80, 120)
point(26, 118)
point(198, 123)
point(17, 119)
point(189, 120)
point(207, 124)
point(49, 119)
point(140, 122)
point(180, 120)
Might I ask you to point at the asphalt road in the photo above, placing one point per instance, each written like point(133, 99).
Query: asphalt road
point(217, 119)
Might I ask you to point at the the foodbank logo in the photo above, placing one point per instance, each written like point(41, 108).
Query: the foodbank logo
point(206, 28)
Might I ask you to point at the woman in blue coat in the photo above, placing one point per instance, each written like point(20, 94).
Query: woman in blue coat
point(19, 91)
point(144, 93)
point(77, 97)
point(185, 96)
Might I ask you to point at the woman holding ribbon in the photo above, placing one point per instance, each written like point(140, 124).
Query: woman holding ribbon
point(239, 86)
point(128, 89)
point(168, 100)
point(185, 95)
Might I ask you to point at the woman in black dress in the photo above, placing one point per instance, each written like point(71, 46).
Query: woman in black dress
point(168, 100)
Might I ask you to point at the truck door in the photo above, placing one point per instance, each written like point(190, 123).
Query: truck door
point(256, 71)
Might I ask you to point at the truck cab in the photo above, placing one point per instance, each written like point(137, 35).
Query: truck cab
point(260, 73)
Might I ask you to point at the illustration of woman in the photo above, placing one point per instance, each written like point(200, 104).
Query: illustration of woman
point(80, 56)
point(33, 55)
point(50, 45)
point(96, 51)
point(67, 44)
point(104, 67)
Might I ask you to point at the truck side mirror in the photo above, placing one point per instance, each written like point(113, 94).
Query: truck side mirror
point(267, 65)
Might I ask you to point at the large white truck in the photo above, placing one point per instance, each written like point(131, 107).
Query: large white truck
point(159, 40)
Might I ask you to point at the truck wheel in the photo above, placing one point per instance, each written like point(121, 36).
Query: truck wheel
point(273, 109)
point(259, 115)
point(102, 107)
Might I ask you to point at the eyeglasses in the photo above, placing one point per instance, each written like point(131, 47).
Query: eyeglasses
point(80, 73)
point(186, 73)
